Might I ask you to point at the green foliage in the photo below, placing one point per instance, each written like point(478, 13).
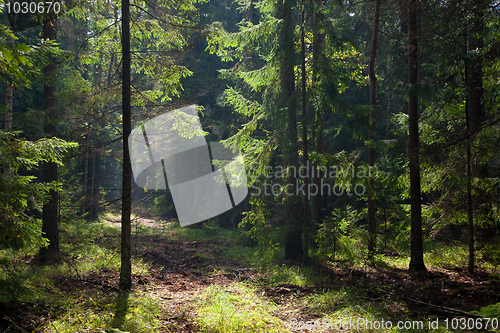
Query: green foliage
point(490, 311)
point(20, 63)
point(13, 58)
point(338, 236)
point(19, 192)
point(491, 254)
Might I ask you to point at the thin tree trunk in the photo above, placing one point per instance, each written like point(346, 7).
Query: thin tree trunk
point(305, 160)
point(475, 116)
point(91, 192)
point(470, 215)
point(417, 251)
point(126, 266)
point(50, 209)
point(372, 208)
point(317, 127)
point(9, 102)
point(96, 185)
point(475, 70)
point(293, 230)
point(86, 173)
point(468, 168)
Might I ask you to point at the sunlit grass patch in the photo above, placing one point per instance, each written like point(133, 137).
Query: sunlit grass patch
point(136, 312)
point(346, 310)
point(237, 309)
point(447, 256)
point(329, 301)
point(140, 267)
point(296, 275)
point(392, 262)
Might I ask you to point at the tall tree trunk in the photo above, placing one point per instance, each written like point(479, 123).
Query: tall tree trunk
point(372, 208)
point(305, 160)
point(9, 102)
point(293, 228)
point(86, 174)
point(317, 128)
point(470, 215)
point(475, 69)
point(9, 99)
point(475, 116)
point(92, 189)
point(417, 251)
point(50, 209)
point(126, 265)
point(96, 184)
point(96, 164)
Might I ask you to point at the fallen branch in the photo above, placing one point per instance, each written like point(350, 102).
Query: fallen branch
point(13, 323)
point(369, 298)
point(444, 308)
point(100, 284)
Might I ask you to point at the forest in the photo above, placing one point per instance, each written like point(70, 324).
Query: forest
point(249, 166)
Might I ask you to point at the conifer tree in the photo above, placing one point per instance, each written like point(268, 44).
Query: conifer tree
point(417, 251)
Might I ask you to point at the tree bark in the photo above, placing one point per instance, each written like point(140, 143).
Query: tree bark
point(9, 102)
point(372, 208)
point(86, 174)
point(475, 68)
point(126, 265)
point(293, 227)
point(50, 215)
point(96, 184)
point(470, 214)
point(305, 160)
point(417, 251)
point(317, 127)
point(475, 116)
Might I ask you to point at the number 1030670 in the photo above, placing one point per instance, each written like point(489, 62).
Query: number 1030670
point(33, 7)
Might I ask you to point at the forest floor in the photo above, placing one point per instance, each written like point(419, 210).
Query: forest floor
point(204, 284)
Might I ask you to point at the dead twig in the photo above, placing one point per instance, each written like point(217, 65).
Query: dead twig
point(444, 308)
point(13, 323)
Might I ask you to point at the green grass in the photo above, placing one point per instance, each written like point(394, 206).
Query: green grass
point(438, 255)
point(137, 312)
point(392, 262)
point(92, 248)
point(329, 301)
point(237, 308)
point(296, 275)
point(337, 309)
point(87, 248)
point(447, 256)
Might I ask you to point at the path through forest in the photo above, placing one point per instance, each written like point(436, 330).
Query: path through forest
point(178, 271)
point(181, 269)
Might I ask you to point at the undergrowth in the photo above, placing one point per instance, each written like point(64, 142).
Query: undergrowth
point(93, 249)
point(237, 308)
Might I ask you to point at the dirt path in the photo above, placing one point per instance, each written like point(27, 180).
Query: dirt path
point(179, 271)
